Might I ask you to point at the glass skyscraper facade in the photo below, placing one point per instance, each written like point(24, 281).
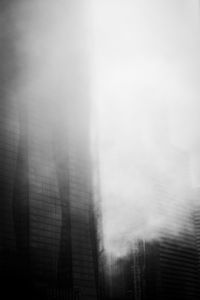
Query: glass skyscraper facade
point(47, 235)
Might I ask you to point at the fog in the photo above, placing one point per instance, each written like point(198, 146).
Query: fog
point(138, 61)
point(147, 95)
point(51, 82)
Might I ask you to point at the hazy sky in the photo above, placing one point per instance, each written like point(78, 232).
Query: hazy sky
point(142, 58)
point(146, 88)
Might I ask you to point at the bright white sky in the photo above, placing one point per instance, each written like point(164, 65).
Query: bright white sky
point(147, 95)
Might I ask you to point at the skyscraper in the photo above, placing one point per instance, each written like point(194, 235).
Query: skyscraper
point(47, 236)
point(167, 266)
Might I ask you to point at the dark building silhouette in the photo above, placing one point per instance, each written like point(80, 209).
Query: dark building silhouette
point(164, 270)
point(48, 244)
point(168, 266)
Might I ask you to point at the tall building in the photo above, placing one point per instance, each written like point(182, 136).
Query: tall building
point(166, 267)
point(48, 244)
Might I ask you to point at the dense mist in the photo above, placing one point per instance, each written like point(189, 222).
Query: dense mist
point(146, 90)
point(140, 61)
point(50, 41)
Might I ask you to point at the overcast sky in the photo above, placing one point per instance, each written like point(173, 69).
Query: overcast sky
point(143, 70)
point(146, 66)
